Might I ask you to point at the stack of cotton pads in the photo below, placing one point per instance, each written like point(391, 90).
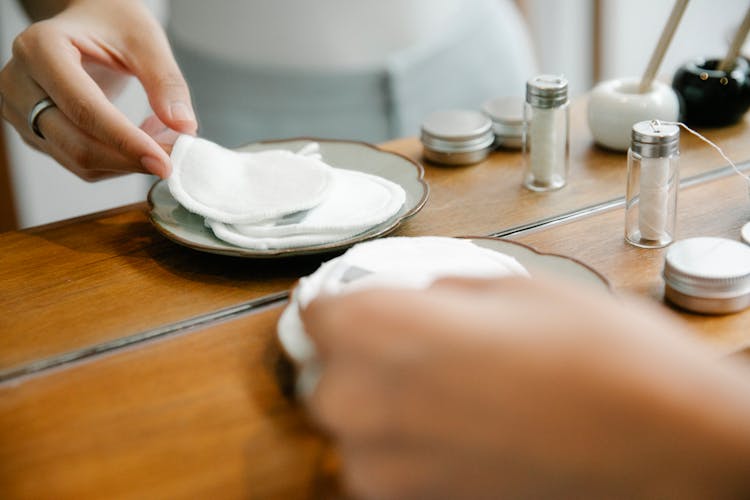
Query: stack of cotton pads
point(277, 199)
point(402, 262)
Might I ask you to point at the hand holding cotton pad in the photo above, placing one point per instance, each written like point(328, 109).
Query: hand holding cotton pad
point(237, 188)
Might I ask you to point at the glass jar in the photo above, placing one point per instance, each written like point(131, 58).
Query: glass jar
point(546, 145)
point(653, 180)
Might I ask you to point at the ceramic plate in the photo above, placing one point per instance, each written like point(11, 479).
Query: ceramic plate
point(186, 228)
point(300, 350)
point(546, 263)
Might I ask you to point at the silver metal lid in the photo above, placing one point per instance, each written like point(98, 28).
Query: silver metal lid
point(457, 130)
point(506, 114)
point(506, 110)
point(710, 268)
point(547, 91)
point(653, 139)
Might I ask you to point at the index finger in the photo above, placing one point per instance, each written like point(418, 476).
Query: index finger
point(390, 322)
point(57, 68)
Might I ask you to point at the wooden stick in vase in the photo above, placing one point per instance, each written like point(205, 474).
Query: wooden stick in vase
point(661, 47)
point(727, 63)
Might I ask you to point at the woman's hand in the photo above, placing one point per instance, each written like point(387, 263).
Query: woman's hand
point(517, 388)
point(80, 59)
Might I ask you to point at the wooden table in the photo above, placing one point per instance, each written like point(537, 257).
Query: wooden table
point(132, 367)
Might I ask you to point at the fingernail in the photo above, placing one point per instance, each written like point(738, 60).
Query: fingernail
point(155, 166)
point(181, 112)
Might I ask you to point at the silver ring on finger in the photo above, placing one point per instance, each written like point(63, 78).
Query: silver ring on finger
point(37, 110)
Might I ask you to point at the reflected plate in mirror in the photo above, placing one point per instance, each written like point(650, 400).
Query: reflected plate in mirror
point(188, 229)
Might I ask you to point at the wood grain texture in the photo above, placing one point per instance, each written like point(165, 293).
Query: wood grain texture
point(717, 208)
point(201, 415)
point(115, 272)
point(69, 286)
point(204, 413)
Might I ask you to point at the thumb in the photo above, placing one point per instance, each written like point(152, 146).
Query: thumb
point(164, 84)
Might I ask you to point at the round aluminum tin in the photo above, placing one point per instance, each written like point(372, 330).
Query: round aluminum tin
point(708, 275)
point(506, 114)
point(457, 137)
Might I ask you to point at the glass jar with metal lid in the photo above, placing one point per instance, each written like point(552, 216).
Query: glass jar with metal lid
point(457, 137)
point(708, 275)
point(546, 145)
point(653, 179)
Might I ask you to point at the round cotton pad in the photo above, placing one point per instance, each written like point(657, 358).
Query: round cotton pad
point(237, 188)
point(356, 202)
point(399, 262)
point(405, 262)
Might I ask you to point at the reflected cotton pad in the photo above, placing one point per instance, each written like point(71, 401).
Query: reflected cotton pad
point(355, 202)
point(405, 262)
point(399, 262)
point(241, 187)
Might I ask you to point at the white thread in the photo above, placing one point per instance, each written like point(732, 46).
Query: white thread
point(543, 155)
point(654, 194)
point(707, 141)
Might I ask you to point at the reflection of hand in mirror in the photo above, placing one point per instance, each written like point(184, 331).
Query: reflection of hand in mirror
point(80, 58)
point(525, 388)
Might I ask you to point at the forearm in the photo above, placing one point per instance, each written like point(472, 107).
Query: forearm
point(725, 428)
point(619, 402)
point(698, 416)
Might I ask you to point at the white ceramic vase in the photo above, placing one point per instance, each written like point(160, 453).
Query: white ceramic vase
point(615, 105)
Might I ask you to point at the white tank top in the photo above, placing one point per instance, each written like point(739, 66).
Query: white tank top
point(312, 34)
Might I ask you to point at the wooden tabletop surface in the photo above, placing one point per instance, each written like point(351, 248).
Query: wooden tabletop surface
point(115, 271)
point(717, 208)
point(199, 415)
point(136, 367)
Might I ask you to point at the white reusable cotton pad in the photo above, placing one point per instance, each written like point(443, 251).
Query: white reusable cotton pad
point(242, 187)
point(399, 262)
point(356, 201)
point(405, 262)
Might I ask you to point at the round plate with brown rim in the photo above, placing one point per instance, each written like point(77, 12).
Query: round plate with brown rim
point(188, 229)
point(538, 263)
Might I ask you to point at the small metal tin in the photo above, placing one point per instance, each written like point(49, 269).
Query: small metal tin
point(708, 275)
point(506, 114)
point(457, 137)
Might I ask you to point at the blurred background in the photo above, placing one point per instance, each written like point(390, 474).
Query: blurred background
point(586, 40)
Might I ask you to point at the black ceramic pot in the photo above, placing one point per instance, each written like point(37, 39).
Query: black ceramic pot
point(710, 97)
